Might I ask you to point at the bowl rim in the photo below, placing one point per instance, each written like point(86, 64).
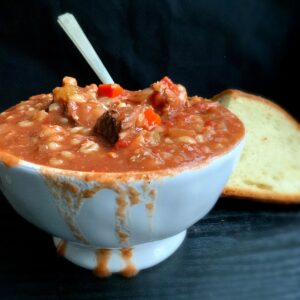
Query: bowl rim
point(6, 158)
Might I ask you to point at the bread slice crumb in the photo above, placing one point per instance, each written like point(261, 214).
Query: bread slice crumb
point(269, 166)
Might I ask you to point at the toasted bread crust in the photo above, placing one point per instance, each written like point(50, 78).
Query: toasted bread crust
point(236, 93)
point(262, 196)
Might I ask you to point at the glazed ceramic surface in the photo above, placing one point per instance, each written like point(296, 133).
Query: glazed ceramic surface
point(142, 213)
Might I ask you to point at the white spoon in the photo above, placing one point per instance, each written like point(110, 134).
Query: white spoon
point(69, 24)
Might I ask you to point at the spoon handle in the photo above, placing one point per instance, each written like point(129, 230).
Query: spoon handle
point(69, 24)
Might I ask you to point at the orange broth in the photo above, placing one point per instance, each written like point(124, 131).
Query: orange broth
point(159, 127)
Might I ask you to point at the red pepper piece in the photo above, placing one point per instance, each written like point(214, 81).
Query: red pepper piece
point(152, 117)
point(109, 90)
point(122, 144)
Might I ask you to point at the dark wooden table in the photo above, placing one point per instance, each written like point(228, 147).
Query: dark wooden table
point(241, 250)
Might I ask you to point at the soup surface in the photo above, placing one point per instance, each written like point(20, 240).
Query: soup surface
point(106, 128)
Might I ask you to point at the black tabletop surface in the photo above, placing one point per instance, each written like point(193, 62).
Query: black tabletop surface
point(241, 250)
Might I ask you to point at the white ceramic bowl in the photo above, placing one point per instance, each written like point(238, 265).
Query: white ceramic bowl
point(116, 222)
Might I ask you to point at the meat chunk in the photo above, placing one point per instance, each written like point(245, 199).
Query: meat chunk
point(120, 122)
point(168, 96)
point(80, 104)
point(108, 127)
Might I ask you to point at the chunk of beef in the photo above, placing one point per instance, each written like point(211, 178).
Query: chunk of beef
point(168, 96)
point(80, 104)
point(119, 122)
point(108, 127)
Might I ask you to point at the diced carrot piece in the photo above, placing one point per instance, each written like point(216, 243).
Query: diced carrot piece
point(109, 90)
point(152, 117)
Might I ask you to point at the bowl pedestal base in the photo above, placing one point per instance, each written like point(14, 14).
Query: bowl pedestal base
point(126, 261)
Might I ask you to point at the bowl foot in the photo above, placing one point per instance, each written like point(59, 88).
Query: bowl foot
point(126, 261)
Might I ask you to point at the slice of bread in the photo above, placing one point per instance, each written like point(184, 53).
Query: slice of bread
point(269, 167)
